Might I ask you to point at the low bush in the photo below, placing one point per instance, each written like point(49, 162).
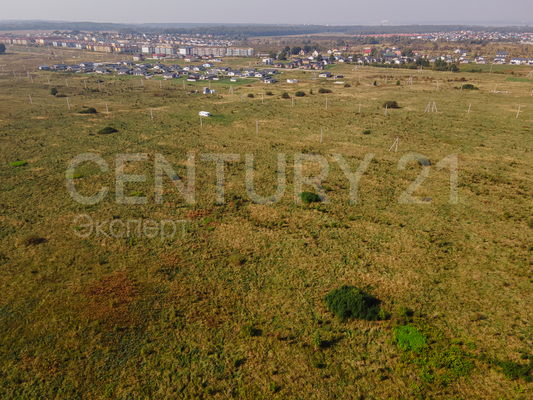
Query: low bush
point(398, 83)
point(409, 338)
point(347, 85)
point(324, 90)
point(61, 95)
point(89, 110)
point(285, 95)
point(250, 95)
point(53, 91)
point(469, 86)
point(269, 93)
point(107, 130)
point(310, 197)
point(349, 302)
point(366, 132)
point(390, 104)
point(299, 93)
point(33, 240)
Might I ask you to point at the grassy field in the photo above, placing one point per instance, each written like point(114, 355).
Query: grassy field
point(235, 307)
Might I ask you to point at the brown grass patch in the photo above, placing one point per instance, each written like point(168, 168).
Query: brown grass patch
point(193, 214)
point(109, 299)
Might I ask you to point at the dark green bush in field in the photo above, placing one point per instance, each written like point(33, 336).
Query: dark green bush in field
point(250, 95)
point(347, 85)
point(324, 90)
point(53, 91)
point(349, 302)
point(33, 240)
point(285, 95)
point(18, 163)
point(310, 197)
point(89, 110)
point(107, 130)
point(390, 104)
point(311, 91)
point(61, 95)
point(469, 86)
point(269, 93)
point(299, 93)
point(398, 83)
point(366, 132)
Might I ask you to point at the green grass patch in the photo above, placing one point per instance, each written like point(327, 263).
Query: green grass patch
point(107, 130)
point(18, 163)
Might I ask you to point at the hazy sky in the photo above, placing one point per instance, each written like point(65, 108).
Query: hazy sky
point(275, 11)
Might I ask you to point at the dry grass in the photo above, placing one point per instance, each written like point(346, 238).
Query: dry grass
point(234, 308)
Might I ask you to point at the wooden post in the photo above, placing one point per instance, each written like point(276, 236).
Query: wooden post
point(68, 105)
point(518, 113)
point(98, 84)
point(201, 120)
point(256, 127)
point(85, 84)
point(386, 107)
point(31, 102)
point(359, 107)
point(293, 101)
point(107, 109)
point(326, 104)
point(262, 96)
point(151, 114)
point(320, 135)
point(469, 107)
point(66, 82)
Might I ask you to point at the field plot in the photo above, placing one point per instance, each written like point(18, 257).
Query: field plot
point(235, 306)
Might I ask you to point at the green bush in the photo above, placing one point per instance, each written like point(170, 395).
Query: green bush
point(53, 91)
point(311, 91)
point(310, 197)
point(469, 86)
point(61, 95)
point(18, 163)
point(409, 338)
point(89, 110)
point(324, 90)
point(398, 83)
point(375, 83)
point(366, 132)
point(250, 95)
point(285, 95)
point(107, 130)
point(299, 93)
point(269, 93)
point(349, 302)
point(390, 104)
point(513, 370)
point(347, 85)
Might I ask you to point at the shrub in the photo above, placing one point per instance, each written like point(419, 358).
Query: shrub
point(409, 338)
point(250, 95)
point(310, 197)
point(285, 95)
point(513, 370)
point(324, 90)
point(366, 132)
point(311, 91)
point(469, 86)
point(18, 163)
point(391, 104)
point(299, 93)
point(89, 110)
point(61, 95)
point(347, 85)
point(349, 302)
point(107, 130)
point(375, 83)
point(269, 93)
point(33, 240)
point(53, 91)
point(398, 83)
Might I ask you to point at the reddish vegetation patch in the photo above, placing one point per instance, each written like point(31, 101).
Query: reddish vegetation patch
point(193, 214)
point(109, 299)
point(168, 259)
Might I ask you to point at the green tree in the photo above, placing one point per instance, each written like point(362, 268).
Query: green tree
point(319, 57)
point(271, 54)
point(331, 58)
point(2, 48)
point(295, 50)
point(287, 49)
point(282, 55)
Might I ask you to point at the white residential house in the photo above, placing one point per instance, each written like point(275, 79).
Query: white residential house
point(267, 61)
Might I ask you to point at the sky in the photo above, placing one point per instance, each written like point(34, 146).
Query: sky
point(335, 12)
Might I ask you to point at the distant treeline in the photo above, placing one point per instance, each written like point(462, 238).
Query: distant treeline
point(244, 31)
